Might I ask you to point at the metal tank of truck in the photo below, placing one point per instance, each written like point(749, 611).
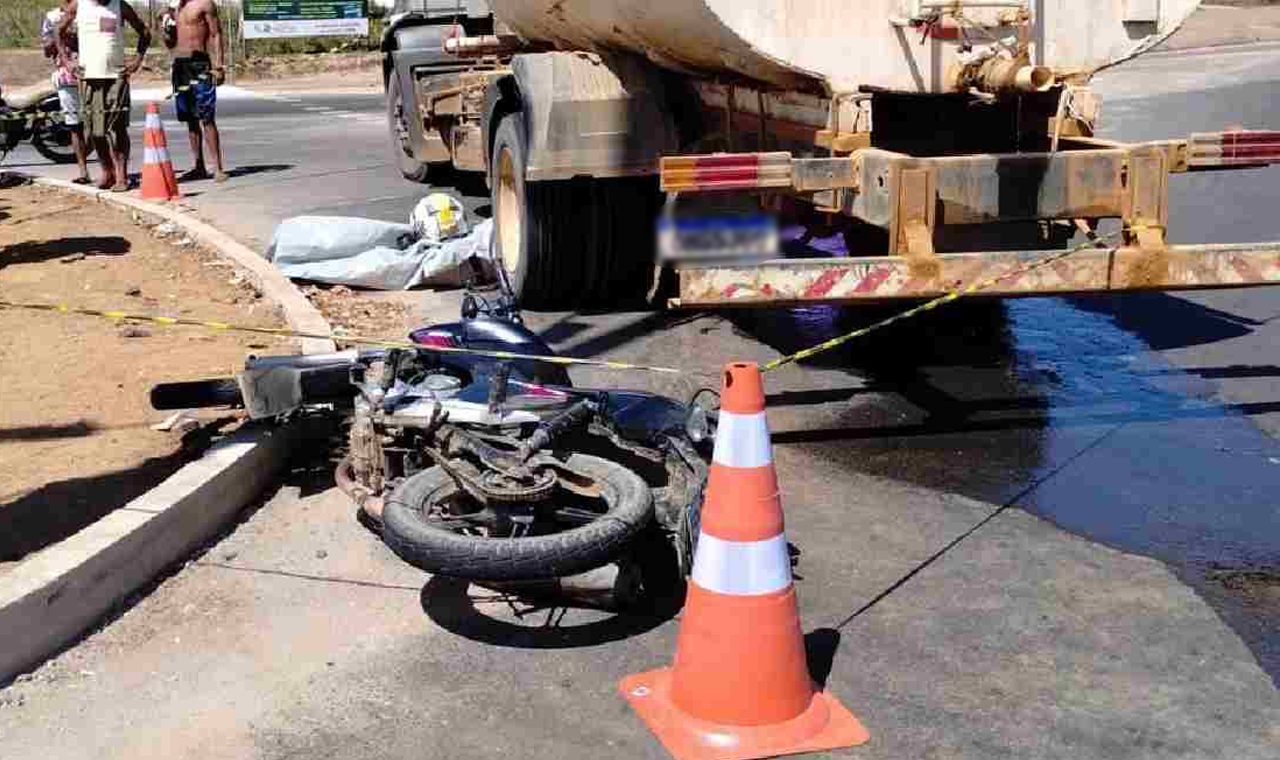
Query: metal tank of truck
point(634, 147)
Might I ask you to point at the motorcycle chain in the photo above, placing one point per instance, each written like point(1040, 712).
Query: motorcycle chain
point(469, 479)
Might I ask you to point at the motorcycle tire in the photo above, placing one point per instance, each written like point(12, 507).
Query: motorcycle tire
point(442, 552)
point(56, 153)
point(200, 394)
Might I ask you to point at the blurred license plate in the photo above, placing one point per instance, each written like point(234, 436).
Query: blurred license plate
point(718, 237)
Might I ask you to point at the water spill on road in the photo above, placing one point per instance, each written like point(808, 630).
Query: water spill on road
point(1060, 407)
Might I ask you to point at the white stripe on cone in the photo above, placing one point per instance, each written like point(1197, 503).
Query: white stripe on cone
point(742, 568)
point(742, 440)
point(155, 156)
point(153, 121)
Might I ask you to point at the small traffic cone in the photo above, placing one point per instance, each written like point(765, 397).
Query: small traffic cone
point(740, 686)
point(158, 180)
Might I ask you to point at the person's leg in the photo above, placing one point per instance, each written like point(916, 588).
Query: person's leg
point(120, 106)
point(206, 97)
point(119, 142)
point(82, 157)
point(107, 161)
point(69, 100)
point(197, 150)
point(93, 97)
point(184, 104)
point(215, 147)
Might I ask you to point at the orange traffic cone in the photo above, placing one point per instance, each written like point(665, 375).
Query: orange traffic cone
point(740, 686)
point(158, 180)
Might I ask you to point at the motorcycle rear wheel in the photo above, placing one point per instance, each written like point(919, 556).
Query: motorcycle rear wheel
point(423, 543)
point(50, 146)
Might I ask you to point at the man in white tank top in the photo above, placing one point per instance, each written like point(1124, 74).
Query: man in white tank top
point(104, 77)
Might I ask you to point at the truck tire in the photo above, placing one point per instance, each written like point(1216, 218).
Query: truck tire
point(398, 129)
point(573, 243)
point(428, 547)
point(521, 241)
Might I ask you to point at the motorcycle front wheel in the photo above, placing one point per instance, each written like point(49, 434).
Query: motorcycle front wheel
point(431, 524)
point(55, 145)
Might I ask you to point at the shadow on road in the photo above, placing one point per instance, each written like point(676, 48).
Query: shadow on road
point(1165, 321)
point(48, 432)
point(249, 171)
point(56, 511)
point(36, 251)
point(599, 345)
point(820, 649)
point(507, 620)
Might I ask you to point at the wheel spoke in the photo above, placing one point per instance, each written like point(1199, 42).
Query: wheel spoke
point(576, 515)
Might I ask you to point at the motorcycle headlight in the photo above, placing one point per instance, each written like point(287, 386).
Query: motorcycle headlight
point(698, 424)
point(704, 412)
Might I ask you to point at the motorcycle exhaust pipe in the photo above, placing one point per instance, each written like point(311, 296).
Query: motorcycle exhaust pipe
point(306, 361)
point(611, 588)
point(365, 499)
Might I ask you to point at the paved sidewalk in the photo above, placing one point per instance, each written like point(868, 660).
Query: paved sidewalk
point(300, 635)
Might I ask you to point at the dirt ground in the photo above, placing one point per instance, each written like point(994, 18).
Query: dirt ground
point(75, 425)
point(354, 312)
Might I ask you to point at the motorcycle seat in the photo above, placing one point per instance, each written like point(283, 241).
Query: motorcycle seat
point(27, 97)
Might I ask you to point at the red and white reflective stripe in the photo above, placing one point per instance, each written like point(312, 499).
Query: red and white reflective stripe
point(155, 156)
point(726, 171)
point(742, 440)
point(742, 568)
point(1246, 148)
point(153, 121)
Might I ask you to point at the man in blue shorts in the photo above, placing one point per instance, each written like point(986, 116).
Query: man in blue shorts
point(191, 30)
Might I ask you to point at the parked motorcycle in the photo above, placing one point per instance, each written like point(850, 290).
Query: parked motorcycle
point(494, 471)
point(35, 114)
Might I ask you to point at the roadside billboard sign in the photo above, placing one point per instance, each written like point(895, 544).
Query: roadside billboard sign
point(305, 18)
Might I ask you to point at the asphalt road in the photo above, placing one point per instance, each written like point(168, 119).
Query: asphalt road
point(917, 466)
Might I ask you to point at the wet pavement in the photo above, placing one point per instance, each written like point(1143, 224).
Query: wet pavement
point(1143, 422)
point(1058, 407)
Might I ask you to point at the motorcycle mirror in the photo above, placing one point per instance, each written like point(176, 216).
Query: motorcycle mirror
point(703, 414)
point(699, 425)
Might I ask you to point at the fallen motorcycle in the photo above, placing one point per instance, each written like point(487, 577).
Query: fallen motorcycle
point(36, 115)
point(499, 472)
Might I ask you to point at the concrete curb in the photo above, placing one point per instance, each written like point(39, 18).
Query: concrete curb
point(298, 311)
point(51, 598)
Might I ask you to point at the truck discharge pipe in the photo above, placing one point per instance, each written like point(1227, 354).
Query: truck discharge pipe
point(1000, 75)
point(484, 45)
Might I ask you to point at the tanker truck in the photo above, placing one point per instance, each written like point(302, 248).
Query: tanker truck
point(715, 149)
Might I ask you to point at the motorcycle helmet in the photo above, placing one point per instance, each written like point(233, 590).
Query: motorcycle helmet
point(438, 217)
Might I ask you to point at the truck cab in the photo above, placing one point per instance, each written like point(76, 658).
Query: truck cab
point(413, 48)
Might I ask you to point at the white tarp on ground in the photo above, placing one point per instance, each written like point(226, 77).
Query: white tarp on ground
point(372, 254)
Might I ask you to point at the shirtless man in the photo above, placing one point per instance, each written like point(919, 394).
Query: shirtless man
point(193, 31)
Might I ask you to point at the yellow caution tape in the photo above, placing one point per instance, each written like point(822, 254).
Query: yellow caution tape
point(935, 303)
point(562, 360)
point(121, 316)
